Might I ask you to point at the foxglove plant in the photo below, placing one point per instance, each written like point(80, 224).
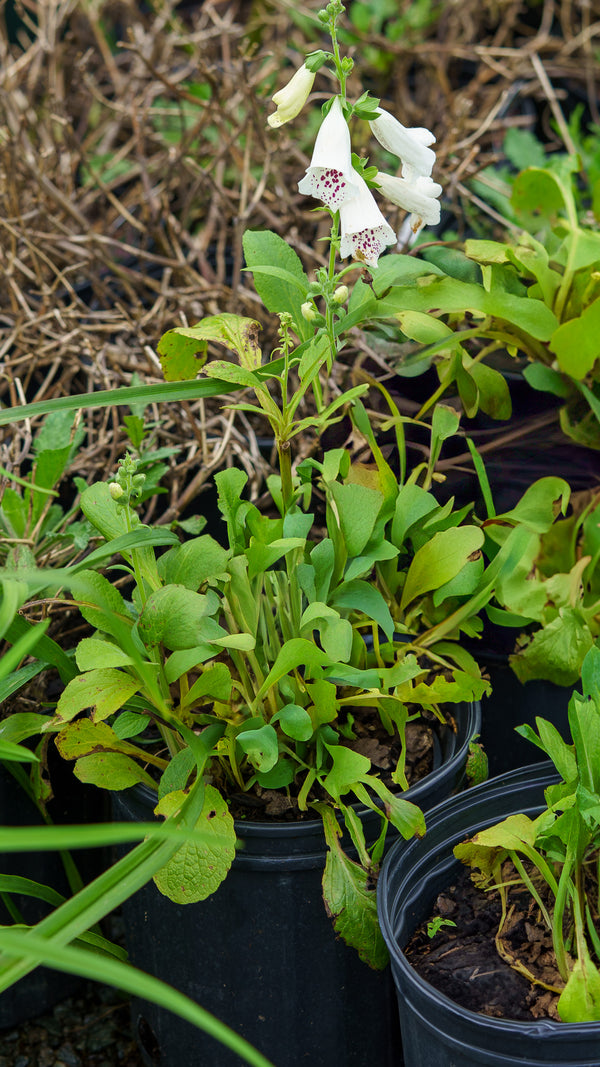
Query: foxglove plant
point(272, 647)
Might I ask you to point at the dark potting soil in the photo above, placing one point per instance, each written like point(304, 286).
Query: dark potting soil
point(463, 962)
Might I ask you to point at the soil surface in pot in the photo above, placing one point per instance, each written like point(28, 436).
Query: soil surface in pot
point(463, 961)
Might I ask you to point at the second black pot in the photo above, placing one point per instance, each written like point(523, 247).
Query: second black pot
point(261, 953)
point(437, 1032)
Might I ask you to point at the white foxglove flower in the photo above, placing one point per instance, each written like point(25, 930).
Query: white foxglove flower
point(331, 177)
point(418, 195)
point(291, 99)
point(410, 145)
point(365, 232)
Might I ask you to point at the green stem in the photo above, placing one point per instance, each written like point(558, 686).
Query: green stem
point(564, 888)
point(329, 317)
point(284, 454)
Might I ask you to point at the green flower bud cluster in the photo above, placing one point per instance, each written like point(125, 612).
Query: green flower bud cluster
point(126, 488)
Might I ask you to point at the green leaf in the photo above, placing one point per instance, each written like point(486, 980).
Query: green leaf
point(111, 770)
point(579, 1001)
point(14, 753)
point(181, 357)
point(177, 773)
point(173, 615)
point(263, 248)
point(575, 342)
point(148, 394)
point(103, 607)
point(444, 424)
point(194, 562)
point(523, 148)
point(357, 509)
point(461, 687)
point(584, 723)
point(538, 197)
point(281, 775)
point(590, 675)
point(540, 505)
point(421, 327)
point(93, 652)
point(348, 768)
point(336, 638)
point(364, 597)
point(551, 742)
point(450, 296)
point(130, 724)
point(22, 725)
point(103, 512)
point(349, 901)
point(439, 560)
point(546, 379)
point(13, 883)
point(185, 660)
point(556, 653)
point(235, 332)
point(493, 392)
point(214, 682)
point(104, 689)
point(197, 870)
point(261, 747)
point(295, 722)
point(295, 653)
point(412, 504)
point(232, 374)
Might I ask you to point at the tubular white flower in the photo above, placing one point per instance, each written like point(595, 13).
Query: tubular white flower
point(331, 177)
point(419, 196)
point(410, 145)
point(291, 99)
point(365, 232)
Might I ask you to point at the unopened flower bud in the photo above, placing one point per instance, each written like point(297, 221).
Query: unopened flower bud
point(341, 294)
point(291, 99)
point(309, 312)
point(115, 490)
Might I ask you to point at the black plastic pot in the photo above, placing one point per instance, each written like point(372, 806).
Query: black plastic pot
point(40, 990)
point(436, 1032)
point(261, 953)
point(513, 703)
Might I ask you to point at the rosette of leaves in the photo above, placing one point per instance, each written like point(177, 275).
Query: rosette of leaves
point(263, 643)
point(555, 856)
point(552, 594)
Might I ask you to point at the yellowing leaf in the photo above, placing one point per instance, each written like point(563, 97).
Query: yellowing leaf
point(110, 770)
point(105, 690)
point(196, 871)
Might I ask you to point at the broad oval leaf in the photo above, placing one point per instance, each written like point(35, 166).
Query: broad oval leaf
point(440, 560)
point(197, 870)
